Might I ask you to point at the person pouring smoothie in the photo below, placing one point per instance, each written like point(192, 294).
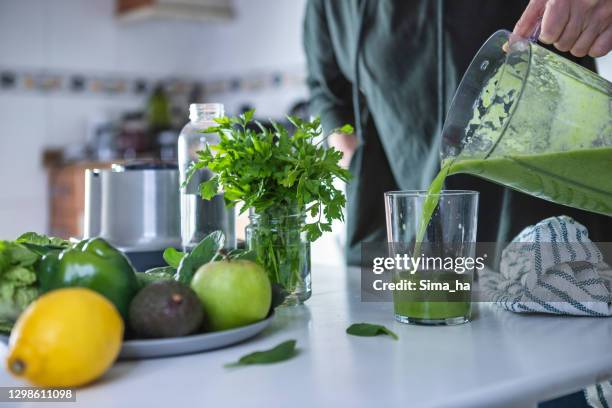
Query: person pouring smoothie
point(391, 68)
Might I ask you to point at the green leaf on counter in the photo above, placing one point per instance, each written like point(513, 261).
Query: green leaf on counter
point(173, 257)
point(203, 253)
point(369, 330)
point(282, 352)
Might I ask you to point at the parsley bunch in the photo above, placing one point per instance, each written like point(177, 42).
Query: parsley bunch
point(271, 170)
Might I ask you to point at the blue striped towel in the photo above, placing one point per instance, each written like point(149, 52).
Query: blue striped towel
point(552, 267)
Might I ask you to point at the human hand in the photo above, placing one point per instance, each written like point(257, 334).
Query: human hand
point(579, 26)
point(346, 143)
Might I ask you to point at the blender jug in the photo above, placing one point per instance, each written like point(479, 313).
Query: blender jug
point(533, 121)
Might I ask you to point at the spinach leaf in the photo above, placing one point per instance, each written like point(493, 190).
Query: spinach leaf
point(173, 257)
point(203, 253)
point(369, 330)
point(167, 270)
point(41, 244)
point(282, 352)
point(155, 275)
point(242, 254)
point(42, 240)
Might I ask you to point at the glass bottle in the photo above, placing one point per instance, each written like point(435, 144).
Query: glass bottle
point(200, 217)
point(279, 242)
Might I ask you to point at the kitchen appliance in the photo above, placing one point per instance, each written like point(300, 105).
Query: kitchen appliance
point(136, 208)
point(532, 120)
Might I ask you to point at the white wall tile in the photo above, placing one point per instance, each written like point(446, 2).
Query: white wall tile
point(266, 34)
point(22, 27)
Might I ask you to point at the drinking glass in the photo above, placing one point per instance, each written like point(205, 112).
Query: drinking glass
point(437, 289)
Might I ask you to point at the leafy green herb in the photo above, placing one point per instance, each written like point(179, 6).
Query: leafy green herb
point(41, 244)
point(369, 330)
point(272, 169)
point(173, 257)
point(282, 352)
point(42, 240)
point(18, 280)
point(203, 253)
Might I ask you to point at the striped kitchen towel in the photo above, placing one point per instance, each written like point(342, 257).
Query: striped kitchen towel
point(552, 267)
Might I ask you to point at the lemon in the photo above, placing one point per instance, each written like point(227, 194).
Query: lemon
point(66, 338)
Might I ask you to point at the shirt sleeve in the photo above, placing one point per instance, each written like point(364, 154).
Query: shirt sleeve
point(330, 90)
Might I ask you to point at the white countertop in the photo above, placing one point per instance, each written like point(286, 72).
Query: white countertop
point(499, 359)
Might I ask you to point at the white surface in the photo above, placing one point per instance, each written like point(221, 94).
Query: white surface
point(498, 360)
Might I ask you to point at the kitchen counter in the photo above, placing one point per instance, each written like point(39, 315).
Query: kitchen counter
point(499, 360)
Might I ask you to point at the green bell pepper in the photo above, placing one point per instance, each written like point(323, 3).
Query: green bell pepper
point(92, 264)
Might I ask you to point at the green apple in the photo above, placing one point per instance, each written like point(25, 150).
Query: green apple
point(233, 293)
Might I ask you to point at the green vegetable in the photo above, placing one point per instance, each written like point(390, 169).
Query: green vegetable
point(369, 330)
point(19, 260)
point(282, 352)
point(155, 275)
point(17, 289)
point(173, 257)
point(42, 240)
point(203, 253)
point(165, 270)
point(17, 281)
point(270, 169)
point(92, 264)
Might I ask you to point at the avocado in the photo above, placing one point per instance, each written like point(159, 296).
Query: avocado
point(165, 309)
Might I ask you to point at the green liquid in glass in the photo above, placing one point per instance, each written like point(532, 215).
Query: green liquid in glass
point(431, 301)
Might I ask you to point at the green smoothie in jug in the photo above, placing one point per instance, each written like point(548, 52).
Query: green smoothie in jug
point(541, 125)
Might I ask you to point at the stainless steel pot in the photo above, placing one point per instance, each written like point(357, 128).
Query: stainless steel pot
point(134, 207)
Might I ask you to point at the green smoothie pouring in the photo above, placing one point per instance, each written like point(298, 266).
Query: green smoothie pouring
point(532, 121)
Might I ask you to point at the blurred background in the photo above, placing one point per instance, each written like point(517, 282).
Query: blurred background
point(87, 82)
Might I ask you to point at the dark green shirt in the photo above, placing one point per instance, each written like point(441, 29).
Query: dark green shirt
point(391, 67)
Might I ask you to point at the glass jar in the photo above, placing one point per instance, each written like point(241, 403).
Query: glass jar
point(201, 217)
point(281, 246)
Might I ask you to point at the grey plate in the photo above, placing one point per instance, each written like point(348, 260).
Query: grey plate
point(139, 349)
